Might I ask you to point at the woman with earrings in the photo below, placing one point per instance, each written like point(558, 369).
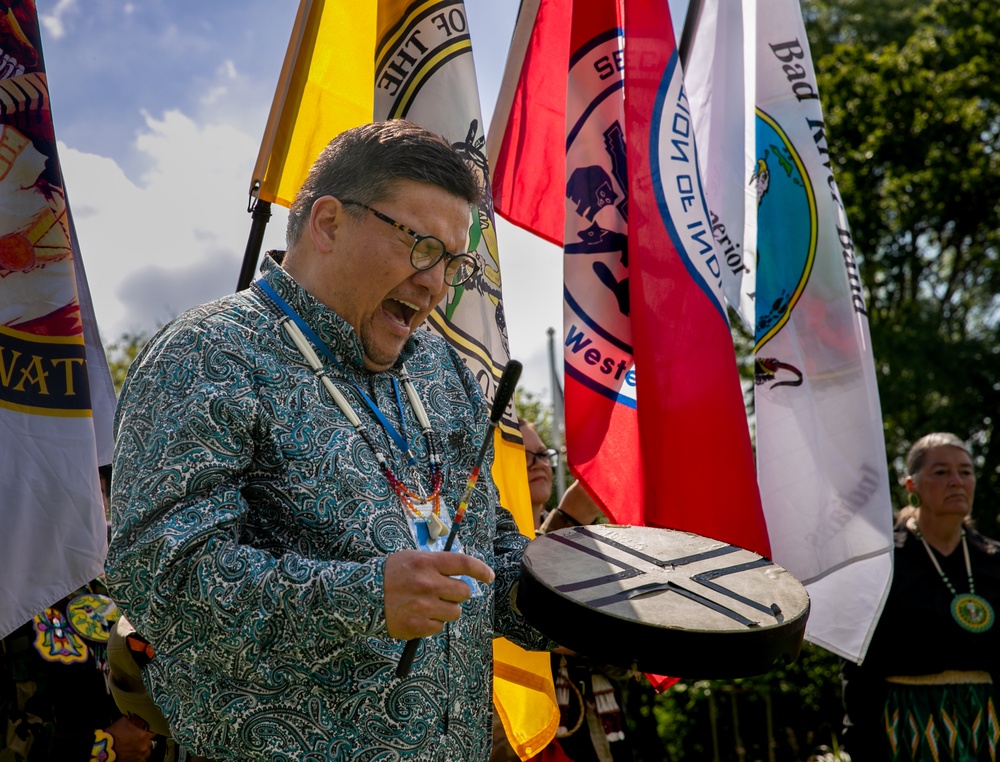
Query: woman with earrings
point(926, 689)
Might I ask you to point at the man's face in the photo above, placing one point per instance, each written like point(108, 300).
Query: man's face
point(369, 280)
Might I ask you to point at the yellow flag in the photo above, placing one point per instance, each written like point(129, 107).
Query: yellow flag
point(523, 693)
point(350, 62)
point(325, 87)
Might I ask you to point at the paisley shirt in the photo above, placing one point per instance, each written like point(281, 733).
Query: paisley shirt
point(251, 526)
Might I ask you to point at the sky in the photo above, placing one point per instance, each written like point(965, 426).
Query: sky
point(159, 107)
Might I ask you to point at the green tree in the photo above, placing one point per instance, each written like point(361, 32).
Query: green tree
point(866, 23)
point(121, 352)
point(786, 715)
point(531, 407)
point(911, 97)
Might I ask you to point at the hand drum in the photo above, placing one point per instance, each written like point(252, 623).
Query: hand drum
point(662, 601)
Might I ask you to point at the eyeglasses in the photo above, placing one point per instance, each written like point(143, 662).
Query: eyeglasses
point(427, 251)
point(549, 457)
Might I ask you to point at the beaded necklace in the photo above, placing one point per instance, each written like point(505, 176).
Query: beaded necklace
point(972, 612)
point(420, 506)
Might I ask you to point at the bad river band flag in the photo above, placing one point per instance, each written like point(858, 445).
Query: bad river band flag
point(655, 422)
point(412, 59)
point(56, 397)
point(790, 263)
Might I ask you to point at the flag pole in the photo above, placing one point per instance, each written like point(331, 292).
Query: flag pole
point(691, 19)
point(523, 25)
point(260, 215)
point(557, 414)
point(258, 207)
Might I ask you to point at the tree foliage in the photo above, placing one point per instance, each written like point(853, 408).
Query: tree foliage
point(911, 97)
point(787, 715)
point(121, 352)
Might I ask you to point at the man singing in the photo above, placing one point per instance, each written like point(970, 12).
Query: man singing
point(288, 461)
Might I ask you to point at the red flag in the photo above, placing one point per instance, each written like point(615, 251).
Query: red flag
point(535, 76)
point(694, 432)
point(655, 423)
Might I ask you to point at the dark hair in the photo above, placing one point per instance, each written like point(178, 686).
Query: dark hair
point(363, 164)
point(104, 472)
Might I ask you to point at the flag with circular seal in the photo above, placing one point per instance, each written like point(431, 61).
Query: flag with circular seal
point(790, 266)
point(655, 423)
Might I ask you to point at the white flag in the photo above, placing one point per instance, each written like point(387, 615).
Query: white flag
point(821, 458)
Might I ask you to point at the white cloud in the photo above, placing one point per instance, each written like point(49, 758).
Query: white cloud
point(53, 22)
point(177, 237)
point(213, 96)
point(229, 76)
point(174, 234)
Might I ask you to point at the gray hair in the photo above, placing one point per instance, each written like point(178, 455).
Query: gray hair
point(363, 163)
point(918, 453)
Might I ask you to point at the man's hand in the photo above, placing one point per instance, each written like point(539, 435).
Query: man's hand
point(132, 743)
point(420, 594)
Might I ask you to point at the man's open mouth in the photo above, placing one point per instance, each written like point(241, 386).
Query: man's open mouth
point(402, 311)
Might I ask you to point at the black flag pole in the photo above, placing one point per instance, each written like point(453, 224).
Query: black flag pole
point(260, 215)
point(690, 25)
point(558, 414)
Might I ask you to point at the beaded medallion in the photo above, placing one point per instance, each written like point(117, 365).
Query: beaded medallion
point(972, 612)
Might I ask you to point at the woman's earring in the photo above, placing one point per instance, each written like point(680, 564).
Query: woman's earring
point(913, 500)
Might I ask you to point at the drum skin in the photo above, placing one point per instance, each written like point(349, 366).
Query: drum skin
point(663, 601)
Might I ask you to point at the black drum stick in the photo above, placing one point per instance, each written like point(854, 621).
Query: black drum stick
point(505, 390)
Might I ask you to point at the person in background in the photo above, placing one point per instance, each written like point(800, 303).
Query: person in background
point(576, 508)
point(540, 460)
point(54, 698)
point(926, 689)
point(288, 463)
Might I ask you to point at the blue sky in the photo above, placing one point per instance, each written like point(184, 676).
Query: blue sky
point(159, 107)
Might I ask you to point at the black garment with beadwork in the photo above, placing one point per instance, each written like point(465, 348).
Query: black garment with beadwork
point(51, 708)
point(917, 635)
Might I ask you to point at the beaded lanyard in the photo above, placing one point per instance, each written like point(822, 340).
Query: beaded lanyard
point(413, 502)
point(972, 612)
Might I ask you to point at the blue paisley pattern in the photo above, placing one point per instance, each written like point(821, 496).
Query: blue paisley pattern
point(251, 526)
